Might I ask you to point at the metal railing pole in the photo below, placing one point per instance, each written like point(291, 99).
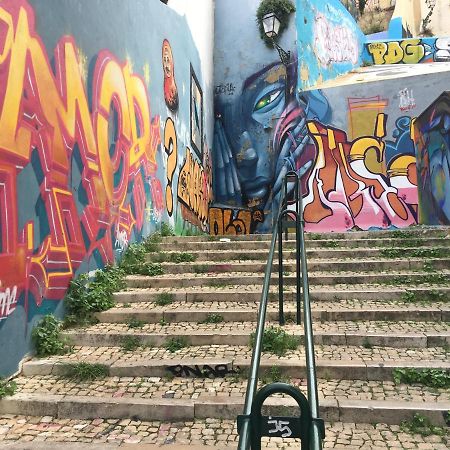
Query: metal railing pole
point(313, 398)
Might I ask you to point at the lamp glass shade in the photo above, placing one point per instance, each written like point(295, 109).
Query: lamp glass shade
point(271, 25)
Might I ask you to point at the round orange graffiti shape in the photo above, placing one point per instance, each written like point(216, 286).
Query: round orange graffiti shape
point(170, 86)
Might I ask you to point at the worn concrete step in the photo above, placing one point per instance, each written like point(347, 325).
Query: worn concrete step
point(220, 367)
point(415, 232)
point(150, 312)
point(261, 254)
point(252, 293)
point(289, 265)
point(91, 400)
point(20, 432)
point(392, 334)
point(184, 245)
point(442, 277)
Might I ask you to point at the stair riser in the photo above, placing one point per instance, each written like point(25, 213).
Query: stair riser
point(254, 245)
point(289, 280)
point(191, 368)
point(261, 255)
point(222, 295)
point(335, 266)
point(124, 316)
point(177, 410)
point(214, 338)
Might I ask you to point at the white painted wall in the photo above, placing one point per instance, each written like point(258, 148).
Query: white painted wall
point(200, 17)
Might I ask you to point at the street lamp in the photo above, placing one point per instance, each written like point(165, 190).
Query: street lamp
point(271, 24)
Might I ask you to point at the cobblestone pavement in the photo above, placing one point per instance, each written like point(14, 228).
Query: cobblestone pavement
point(193, 388)
point(213, 432)
point(334, 352)
point(248, 327)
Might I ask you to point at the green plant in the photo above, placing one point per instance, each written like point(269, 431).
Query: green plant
point(366, 343)
point(126, 305)
point(330, 244)
point(420, 424)
point(82, 371)
point(133, 322)
point(213, 318)
point(163, 322)
point(276, 340)
point(282, 9)
point(200, 268)
point(47, 337)
point(182, 257)
point(130, 343)
point(7, 387)
point(84, 296)
point(166, 230)
point(164, 299)
point(176, 343)
point(274, 375)
point(435, 378)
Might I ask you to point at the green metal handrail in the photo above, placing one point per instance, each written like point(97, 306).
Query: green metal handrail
point(245, 420)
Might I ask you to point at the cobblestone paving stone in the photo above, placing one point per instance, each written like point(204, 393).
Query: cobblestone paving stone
point(194, 388)
point(350, 305)
point(221, 434)
point(248, 327)
point(334, 352)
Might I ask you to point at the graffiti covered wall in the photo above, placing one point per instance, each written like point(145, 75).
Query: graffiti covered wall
point(431, 134)
point(407, 51)
point(330, 43)
point(350, 144)
point(102, 137)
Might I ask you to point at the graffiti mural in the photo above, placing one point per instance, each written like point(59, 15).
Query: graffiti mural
point(86, 165)
point(431, 133)
point(407, 51)
point(226, 221)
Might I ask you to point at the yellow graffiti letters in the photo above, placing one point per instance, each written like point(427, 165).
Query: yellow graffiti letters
point(409, 51)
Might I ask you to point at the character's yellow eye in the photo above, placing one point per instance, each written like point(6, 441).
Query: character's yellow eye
point(267, 100)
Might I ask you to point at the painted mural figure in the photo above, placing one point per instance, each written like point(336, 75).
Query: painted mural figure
point(170, 86)
point(261, 136)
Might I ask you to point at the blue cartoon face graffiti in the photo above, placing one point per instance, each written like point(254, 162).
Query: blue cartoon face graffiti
point(262, 135)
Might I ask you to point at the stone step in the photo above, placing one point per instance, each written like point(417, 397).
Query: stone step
point(261, 254)
point(315, 278)
point(177, 399)
point(51, 433)
point(359, 368)
point(150, 312)
point(392, 334)
point(289, 265)
point(436, 231)
point(318, 293)
point(183, 245)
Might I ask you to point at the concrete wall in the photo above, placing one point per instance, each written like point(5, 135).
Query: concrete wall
point(330, 42)
point(431, 134)
point(103, 135)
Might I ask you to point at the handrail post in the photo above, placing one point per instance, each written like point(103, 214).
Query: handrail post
point(281, 320)
point(313, 398)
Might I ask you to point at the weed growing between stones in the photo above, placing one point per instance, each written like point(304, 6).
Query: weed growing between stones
point(366, 343)
point(164, 299)
point(394, 252)
point(330, 244)
point(82, 371)
point(274, 375)
point(7, 388)
point(176, 343)
point(47, 337)
point(435, 378)
point(86, 297)
point(133, 322)
point(277, 341)
point(213, 318)
point(163, 322)
point(166, 230)
point(420, 424)
point(126, 305)
point(130, 343)
point(182, 257)
point(200, 268)
point(425, 296)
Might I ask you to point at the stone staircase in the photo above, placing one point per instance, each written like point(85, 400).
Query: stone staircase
point(376, 308)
